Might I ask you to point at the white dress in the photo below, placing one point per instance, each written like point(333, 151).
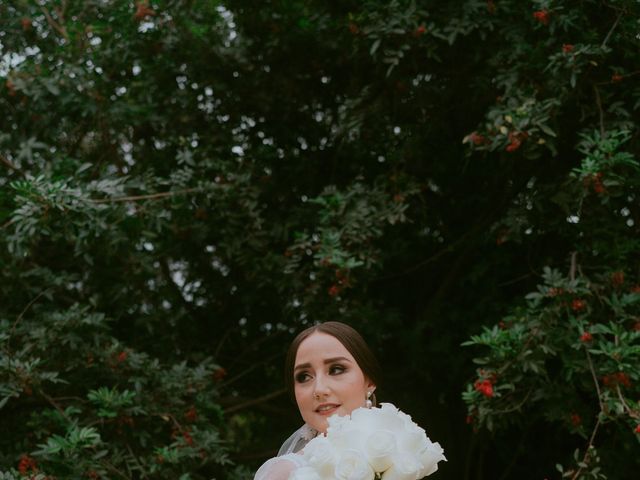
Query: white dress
point(279, 468)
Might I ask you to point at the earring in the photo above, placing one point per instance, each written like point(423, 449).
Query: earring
point(369, 403)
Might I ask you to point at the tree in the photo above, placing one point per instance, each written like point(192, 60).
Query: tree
point(186, 184)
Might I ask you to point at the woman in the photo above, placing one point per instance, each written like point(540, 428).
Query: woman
point(329, 370)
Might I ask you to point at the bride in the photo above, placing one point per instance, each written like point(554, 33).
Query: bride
point(329, 370)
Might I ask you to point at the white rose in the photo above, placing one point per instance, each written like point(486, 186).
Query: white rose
point(389, 407)
point(379, 449)
point(337, 423)
point(321, 455)
point(347, 437)
point(429, 459)
point(304, 473)
point(353, 465)
point(373, 438)
point(406, 419)
point(412, 441)
point(383, 418)
point(405, 467)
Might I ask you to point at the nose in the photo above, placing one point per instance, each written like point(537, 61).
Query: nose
point(321, 387)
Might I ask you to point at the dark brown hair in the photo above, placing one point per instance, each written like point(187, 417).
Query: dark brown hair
point(347, 336)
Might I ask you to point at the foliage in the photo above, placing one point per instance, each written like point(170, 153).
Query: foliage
point(570, 353)
point(184, 184)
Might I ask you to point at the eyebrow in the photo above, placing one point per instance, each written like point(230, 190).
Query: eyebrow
point(328, 360)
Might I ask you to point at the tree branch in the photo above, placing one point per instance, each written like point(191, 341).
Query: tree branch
point(597, 425)
point(34, 300)
point(255, 401)
point(55, 405)
point(601, 112)
point(572, 270)
point(589, 447)
point(8, 223)
point(152, 196)
point(632, 413)
point(517, 407)
point(135, 459)
point(114, 469)
point(238, 357)
point(249, 370)
point(55, 25)
point(6, 161)
point(595, 379)
point(615, 24)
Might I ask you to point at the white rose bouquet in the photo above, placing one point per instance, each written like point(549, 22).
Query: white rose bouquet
point(374, 443)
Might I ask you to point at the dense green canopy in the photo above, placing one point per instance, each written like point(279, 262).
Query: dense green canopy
point(186, 184)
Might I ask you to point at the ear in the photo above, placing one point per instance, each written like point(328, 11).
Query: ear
point(371, 387)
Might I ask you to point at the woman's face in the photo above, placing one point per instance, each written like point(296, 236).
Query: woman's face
point(327, 380)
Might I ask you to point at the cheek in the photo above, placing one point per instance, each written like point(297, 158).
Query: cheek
point(301, 396)
point(355, 389)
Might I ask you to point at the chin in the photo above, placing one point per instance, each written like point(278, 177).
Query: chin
point(322, 425)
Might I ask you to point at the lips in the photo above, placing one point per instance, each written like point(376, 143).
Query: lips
point(327, 409)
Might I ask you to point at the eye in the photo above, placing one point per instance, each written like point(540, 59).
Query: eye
point(302, 377)
point(336, 369)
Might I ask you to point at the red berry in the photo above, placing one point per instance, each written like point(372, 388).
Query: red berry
point(615, 379)
point(27, 463)
point(484, 387)
point(503, 236)
point(353, 28)
point(542, 16)
point(617, 278)
point(576, 420)
point(567, 48)
point(598, 187)
point(578, 305)
point(333, 290)
point(477, 139)
point(637, 430)
point(191, 415)
point(516, 140)
point(219, 373)
point(143, 10)
point(187, 438)
point(616, 77)
point(419, 31)
point(513, 146)
point(10, 87)
point(586, 337)
point(122, 356)
point(401, 86)
point(623, 378)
